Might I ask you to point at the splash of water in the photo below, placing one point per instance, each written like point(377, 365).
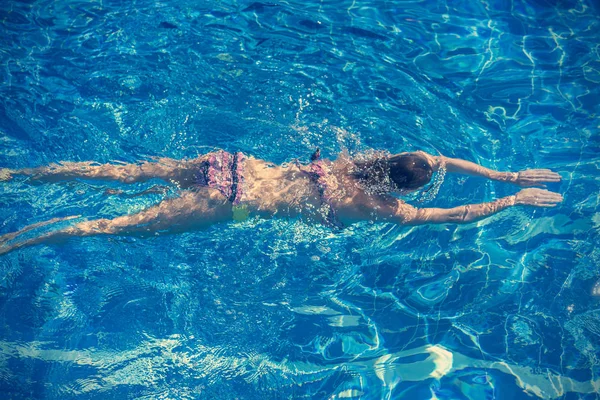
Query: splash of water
point(432, 192)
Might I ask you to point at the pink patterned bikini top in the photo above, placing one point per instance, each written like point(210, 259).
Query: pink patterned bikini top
point(317, 172)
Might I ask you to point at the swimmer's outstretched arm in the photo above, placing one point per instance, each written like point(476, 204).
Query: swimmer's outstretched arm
point(409, 215)
point(167, 169)
point(530, 177)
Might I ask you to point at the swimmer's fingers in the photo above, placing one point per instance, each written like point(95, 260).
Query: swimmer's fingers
point(538, 198)
point(536, 177)
point(548, 202)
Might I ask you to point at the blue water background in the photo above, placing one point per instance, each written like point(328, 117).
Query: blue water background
point(502, 308)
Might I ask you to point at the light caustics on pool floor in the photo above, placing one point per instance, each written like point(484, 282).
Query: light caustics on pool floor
point(503, 308)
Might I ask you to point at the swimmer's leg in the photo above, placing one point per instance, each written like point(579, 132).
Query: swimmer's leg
point(190, 211)
point(10, 236)
point(182, 172)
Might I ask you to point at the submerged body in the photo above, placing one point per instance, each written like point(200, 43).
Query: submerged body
point(289, 191)
point(220, 186)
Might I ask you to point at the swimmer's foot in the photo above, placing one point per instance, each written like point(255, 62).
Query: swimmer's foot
point(5, 175)
point(5, 248)
point(10, 236)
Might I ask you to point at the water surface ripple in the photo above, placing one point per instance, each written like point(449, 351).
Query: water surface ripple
point(504, 308)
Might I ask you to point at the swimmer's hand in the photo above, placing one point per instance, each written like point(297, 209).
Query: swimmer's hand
point(537, 198)
point(535, 177)
point(5, 174)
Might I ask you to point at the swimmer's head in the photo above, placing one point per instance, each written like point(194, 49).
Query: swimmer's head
point(402, 173)
point(409, 171)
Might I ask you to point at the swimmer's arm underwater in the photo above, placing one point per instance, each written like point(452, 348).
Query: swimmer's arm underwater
point(526, 178)
point(408, 215)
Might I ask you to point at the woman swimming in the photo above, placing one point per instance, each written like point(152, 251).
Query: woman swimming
point(221, 186)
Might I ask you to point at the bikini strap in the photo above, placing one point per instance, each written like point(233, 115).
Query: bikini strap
point(316, 155)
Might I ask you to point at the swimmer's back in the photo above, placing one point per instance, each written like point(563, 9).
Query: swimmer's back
point(282, 189)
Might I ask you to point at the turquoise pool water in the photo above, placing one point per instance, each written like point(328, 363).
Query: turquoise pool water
point(500, 309)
